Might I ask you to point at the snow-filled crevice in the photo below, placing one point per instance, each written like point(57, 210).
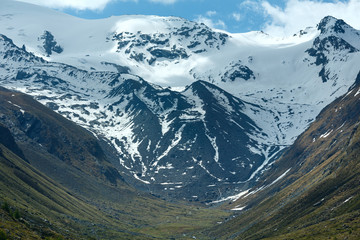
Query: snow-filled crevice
point(174, 142)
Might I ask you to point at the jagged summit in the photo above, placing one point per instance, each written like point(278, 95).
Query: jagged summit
point(331, 24)
point(336, 40)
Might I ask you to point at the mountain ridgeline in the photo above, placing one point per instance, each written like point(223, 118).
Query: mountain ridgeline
point(205, 137)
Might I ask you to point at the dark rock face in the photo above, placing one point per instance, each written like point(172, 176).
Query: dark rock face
point(49, 44)
point(190, 38)
point(173, 54)
point(238, 71)
point(8, 141)
point(119, 68)
point(330, 24)
point(323, 46)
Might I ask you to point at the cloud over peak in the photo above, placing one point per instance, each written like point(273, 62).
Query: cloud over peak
point(299, 14)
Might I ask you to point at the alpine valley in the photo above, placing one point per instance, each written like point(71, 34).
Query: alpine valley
point(108, 124)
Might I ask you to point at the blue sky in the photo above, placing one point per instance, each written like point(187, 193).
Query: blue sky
point(277, 17)
point(230, 15)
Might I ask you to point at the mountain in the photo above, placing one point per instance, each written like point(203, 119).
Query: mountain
point(184, 108)
point(126, 117)
point(57, 183)
point(150, 127)
point(312, 190)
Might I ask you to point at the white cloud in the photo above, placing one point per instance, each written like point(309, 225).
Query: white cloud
point(236, 16)
point(211, 13)
point(299, 14)
point(75, 4)
point(221, 24)
point(164, 1)
point(250, 5)
point(211, 23)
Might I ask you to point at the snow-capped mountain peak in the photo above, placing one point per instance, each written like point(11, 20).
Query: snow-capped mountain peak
point(329, 25)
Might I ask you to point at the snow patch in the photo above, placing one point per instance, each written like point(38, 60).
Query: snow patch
point(200, 163)
point(357, 93)
point(174, 142)
point(170, 183)
point(280, 177)
point(135, 176)
point(238, 208)
point(325, 135)
point(266, 161)
point(348, 199)
point(233, 198)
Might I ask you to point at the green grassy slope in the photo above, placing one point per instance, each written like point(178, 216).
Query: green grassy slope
point(49, 210)
point(45, 206)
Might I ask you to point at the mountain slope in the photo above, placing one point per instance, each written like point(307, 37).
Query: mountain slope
point(313, 189)
point(75, 194)
point(34, 124)
point(46, 208)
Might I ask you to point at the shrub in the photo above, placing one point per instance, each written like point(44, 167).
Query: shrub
point(6, 207)
point(16, 214)
point(2, 236)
